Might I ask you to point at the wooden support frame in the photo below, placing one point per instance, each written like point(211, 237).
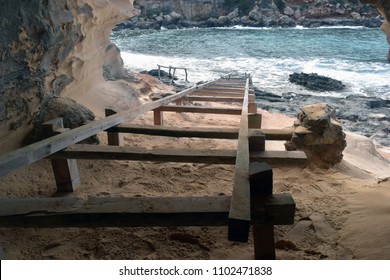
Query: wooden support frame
point(192, 98)
point(114, 138)
point(239, 214)
point(201, 110)
point(66, 173)
point(34, 152)
point(202, 132)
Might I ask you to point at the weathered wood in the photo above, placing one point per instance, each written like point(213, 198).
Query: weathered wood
point(264, 242)
point(222, 94)
point(115, 211)
point(252, 108)
point(158, 117)
point(80, 151)
point(213, 99)
point(114, 138)
point(31, 153)
point(240, 213)
point(199, 132)
point(123, 211)
point(238, 89)
point(201, 110)
point(66, 173)
point(279, 157)
point(170, 131)
point(138, 154)
point(277, 209)
point(254, 121)
point(256, 140)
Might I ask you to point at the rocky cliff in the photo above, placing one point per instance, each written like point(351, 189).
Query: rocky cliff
point(384, 8)
point(58, 48)
point(263, 13)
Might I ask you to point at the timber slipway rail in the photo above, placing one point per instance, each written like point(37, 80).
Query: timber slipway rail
point(252, 202)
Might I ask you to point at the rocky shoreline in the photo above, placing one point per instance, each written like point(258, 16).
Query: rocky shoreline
point(307, 13)
point(367, 116)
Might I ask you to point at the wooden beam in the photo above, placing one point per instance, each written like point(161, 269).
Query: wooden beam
point(213, 99)
point(222, 94)
point(114, 138)
point(199, 132)
point(84, 151)
point(201, 110)
point(240, 213)
point(169, 131)
point(66, 173)
point(129, 211)
point(34, 152)
point(80, 151)
point(158, 117)
point(114, 211)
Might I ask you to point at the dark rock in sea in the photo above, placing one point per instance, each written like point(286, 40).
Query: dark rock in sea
point(163, 74)
point(316, 82)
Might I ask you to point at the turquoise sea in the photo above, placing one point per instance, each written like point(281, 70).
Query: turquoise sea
point(356, 56)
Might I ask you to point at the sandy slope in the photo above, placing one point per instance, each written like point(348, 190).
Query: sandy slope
point(342, 213)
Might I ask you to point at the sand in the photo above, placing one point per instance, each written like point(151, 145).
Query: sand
point(342, 212)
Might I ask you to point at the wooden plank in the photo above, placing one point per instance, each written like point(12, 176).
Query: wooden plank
point(66, 173)
point(199, 132)
point(158, 117)
point(81, 151)
point(239, 89)
point(115, 211)
point(201, 110)
point(213, 99)
point(84, 151)
point(34, 152)
point(279, 157)
point(222, 94)
point(240, 213)
point(114, 138)
point(169, 131)
point(127, 211)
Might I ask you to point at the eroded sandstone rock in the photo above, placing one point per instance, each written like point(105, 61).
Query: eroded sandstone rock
point(319, 135)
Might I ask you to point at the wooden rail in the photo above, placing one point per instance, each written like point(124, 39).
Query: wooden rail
point(34, 152)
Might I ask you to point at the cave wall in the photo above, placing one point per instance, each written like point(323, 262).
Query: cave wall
point(52, 47)
point(383, 7)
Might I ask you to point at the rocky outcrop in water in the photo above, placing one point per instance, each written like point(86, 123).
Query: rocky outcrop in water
point(316, 82)
point(319, 135)
point(174, 14)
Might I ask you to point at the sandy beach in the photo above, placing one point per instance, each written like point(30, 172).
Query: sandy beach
point(341, 212)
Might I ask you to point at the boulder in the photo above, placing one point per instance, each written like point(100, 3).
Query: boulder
point(288, 11)
point(72, 113)
point(316, 82)
point(319, 135)
point(234, 14)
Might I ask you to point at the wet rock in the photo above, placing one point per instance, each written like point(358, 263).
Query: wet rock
point(319, 135)
point(316, 82)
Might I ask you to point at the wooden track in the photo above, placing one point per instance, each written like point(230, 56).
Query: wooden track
point(236, 211)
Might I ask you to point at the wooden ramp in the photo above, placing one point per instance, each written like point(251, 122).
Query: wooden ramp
point(252, 202)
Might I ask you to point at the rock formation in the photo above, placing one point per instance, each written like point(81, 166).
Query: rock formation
point(60, 48)
point(316, 82)
point(319, 135)
point(174, 14)
point(384, 8)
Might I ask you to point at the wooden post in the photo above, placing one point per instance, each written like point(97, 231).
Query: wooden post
point(260, 177)
point(185, 70)
point(159, 72)
point(65, 171)
point(254, 121)
point(256, 140)
point(173, 75)
point(252, 108)
point(158, 116)
point(114, 138)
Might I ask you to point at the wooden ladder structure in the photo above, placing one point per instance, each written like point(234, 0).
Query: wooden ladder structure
point(252, 201)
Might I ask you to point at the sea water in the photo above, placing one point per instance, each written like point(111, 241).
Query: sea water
point(355, 56)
